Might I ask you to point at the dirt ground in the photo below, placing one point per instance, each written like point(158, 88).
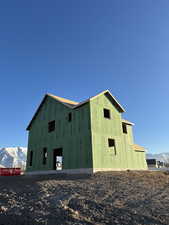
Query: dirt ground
point(104, 198)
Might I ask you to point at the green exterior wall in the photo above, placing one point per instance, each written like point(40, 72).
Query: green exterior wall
point(74, 137)
point(84, 140)
point(104, 157)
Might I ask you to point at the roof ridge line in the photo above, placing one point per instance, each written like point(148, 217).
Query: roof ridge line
point(61, 98)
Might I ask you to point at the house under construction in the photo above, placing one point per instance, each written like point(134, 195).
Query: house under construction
point(83, 137)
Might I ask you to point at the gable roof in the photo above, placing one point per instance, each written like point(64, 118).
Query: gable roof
point(109, 96)
point(74, 105)
point(64, 101)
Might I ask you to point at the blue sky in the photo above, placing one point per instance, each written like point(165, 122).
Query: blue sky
point(75, 49)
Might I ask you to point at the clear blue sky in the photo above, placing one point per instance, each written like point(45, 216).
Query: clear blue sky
point(77, 48)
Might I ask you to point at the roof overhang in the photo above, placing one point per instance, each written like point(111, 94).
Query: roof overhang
point(114, 101)
point(138, 148)
point(127, 122)
point(109, 96)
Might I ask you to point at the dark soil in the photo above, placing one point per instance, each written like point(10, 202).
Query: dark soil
point(105, 198)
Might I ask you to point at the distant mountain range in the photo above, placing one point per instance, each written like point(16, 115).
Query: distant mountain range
point(163, 157)
point(13, 157)
point(16, 157)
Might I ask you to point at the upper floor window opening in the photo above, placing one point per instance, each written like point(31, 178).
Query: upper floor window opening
point(124, 126)
point(51, 126)
point(70, 117)
point(107, 113)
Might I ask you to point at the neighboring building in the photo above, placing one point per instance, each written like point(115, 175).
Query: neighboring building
point(83, 137)
point(161, 164)
point(154, 163)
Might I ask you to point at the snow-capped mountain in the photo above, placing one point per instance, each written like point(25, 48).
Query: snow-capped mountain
point(13, 157)
point(163, 157)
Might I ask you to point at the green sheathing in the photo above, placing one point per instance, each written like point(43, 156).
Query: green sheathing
point(136, 160)
point(129, 135)
point(74, 137)
point(104, 157)
point(141, 160)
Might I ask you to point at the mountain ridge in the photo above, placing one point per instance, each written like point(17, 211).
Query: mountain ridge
point(163, 157)
point(11, 157)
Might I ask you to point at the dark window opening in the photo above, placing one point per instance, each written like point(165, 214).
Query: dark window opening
point(51, 126)
point(124, 128)
point(70, 117)
point(111, 143)
point(44, 155)
point(31, 158)
point(107, 113)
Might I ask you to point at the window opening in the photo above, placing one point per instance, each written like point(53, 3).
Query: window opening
point(70, 117)
point(124, 128)
point(31, 158)
point(51, 126)
point(111, 144)
point(107, 113)
point(44, 155)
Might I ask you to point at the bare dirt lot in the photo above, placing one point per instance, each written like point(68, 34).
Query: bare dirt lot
point(104, 198)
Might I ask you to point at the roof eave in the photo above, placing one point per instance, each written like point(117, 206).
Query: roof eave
point(127, 122)
point(120, 107)
point(28, 127)
point(139, 148)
